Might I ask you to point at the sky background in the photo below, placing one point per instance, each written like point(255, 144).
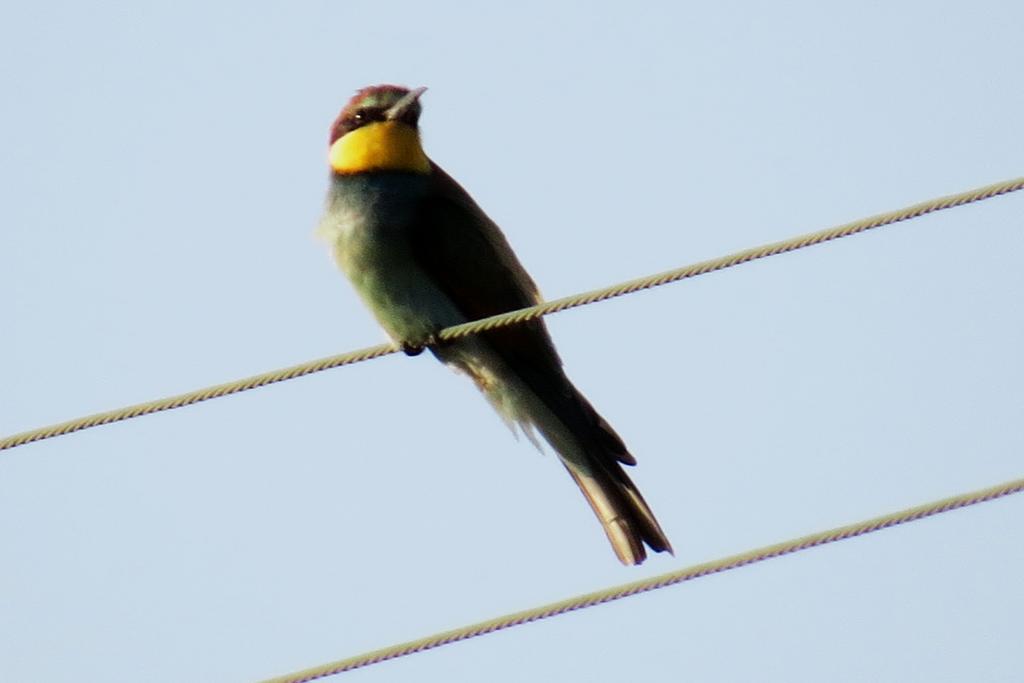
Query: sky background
point(163, 170)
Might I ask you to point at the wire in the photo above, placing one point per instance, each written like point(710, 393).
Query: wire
point(656, 280)
point(197, 396)
point(661, 581)
point(737, 258)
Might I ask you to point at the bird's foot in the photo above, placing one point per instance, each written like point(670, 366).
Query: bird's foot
point(416, 348)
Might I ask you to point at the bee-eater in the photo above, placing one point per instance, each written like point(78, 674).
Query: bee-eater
point(423, 256)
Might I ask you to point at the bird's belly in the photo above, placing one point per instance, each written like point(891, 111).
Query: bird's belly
point(405, 302)
point(372, 249)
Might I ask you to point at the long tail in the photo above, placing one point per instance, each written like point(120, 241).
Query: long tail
point(615, 499)
point(540, 396)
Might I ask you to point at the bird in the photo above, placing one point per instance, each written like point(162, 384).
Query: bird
point(423, 256)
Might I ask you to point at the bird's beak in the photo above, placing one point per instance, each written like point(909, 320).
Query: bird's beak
point(399, 108)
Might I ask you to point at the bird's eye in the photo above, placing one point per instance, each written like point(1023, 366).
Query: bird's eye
point(363, 116)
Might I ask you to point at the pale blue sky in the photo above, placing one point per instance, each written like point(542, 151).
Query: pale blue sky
point(163, 169)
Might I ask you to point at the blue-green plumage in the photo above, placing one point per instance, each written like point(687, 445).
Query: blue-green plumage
point(423, 256)
point(368, 219)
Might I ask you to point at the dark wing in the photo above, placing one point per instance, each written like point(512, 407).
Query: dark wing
point(466, 254)
point(469, 258)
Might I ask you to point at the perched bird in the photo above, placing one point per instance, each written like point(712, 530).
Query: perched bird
point(423, 256)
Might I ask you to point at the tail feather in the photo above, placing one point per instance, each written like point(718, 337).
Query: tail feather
point(594, 455)
point(588, 447)
point(627, 520)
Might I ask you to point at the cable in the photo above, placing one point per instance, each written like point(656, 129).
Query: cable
point(661, 581)
point(701, 268)
point(197, 396)
point(737, 258)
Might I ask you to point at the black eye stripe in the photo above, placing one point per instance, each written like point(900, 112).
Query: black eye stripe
point(363, 116)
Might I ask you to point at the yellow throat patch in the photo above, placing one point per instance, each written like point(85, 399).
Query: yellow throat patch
point(379, 146)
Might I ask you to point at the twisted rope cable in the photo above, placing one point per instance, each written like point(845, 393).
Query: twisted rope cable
point(197, 396)
point(737, 258)
point(661, 581)
point(522, 315)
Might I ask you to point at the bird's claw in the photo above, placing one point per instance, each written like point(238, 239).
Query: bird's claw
point(415, 349)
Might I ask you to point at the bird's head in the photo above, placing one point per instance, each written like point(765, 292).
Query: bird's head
point(378, 131)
